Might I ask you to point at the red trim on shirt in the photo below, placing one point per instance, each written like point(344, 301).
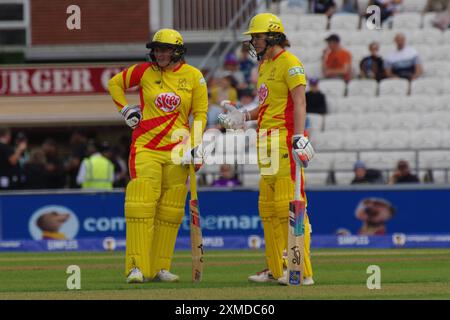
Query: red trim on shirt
point(132, 161)
point(124, 78)
point(279, 54)
point(137, 73)
point(178, 67)
point(118, 104)
point(289, 123)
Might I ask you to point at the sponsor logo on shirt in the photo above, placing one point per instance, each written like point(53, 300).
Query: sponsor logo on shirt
point(167, 101)
point(296, 70)
point(202, 81)
point(263, 92)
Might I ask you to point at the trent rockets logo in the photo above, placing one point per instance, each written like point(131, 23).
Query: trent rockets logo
point(263, 91)
point(167, 101)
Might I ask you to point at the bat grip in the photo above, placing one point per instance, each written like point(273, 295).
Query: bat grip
point(297, 181)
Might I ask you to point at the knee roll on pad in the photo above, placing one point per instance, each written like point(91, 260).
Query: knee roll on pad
point(140, 199)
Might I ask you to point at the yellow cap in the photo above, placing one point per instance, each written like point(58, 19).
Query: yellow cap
point(265, 22)
point(168, 36)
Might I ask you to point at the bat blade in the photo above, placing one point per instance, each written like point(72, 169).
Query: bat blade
point(296, 242)
point(196, 241)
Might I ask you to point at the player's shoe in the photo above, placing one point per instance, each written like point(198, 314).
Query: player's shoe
point(263, 276)
point(135, 276)
point(166, 276)
point(308, 281)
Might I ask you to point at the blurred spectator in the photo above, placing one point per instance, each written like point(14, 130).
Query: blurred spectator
point(315, 99)
point(403, 174)
point(388, 8)
point(120, 167)
point(247, 102)
point(35, 170)
point(213, 112)
point(404, 62)
point(326, 7)
point(231, 68)
point(349, 6)
point(54, 169)
point(97, 171)
point(442, 9)
point(78, 145)
point(436, 6)
point(246, 64)
point(223, 90)
point(372, 67)
point(337, 61)
point(10, 175)
point(227, 177)
point(364, 175)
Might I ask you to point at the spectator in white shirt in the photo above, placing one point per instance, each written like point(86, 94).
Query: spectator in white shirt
point(404, 62)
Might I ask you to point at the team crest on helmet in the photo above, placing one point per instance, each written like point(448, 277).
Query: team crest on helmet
point(263, 92)
point(167, 101)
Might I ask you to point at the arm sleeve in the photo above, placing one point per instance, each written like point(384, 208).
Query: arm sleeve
point(199, 108)
point(128, 78)
point(294, 74)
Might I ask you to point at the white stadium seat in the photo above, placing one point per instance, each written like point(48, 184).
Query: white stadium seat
point(409, 20)
point(322, 161)
point(344, 160)
point(393, 87)
point(340, 121)
point(344, 22)
point(362, 6)
point(250, 179)
point(393, 139)
point(434, 159)
point(371, 121)
point(436, 120)
point(426, 139)
point(361, 140)
point(316, 121)
point(332, 87)
point(445, 139)
point(388, 104)
point(413, 5)
point(387, 159)
point(312, 22)
point(428, 19)
point(344, 178)
point(327, 140)
point(363, 87)
point(446, 86)
point(426, 86)
point(314, 70)
point(424, 36)
point(315, 178)
point(404, 121)
point(290, 22)
point(436, 69)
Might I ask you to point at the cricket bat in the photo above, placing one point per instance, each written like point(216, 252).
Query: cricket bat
point(296, 235)
point(196, 231)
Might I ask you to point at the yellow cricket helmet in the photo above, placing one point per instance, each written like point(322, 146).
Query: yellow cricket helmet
point(167, 38)
point(263, 23)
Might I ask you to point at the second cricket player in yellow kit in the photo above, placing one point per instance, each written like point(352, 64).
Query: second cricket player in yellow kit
point(170, 90)
point(281, 141)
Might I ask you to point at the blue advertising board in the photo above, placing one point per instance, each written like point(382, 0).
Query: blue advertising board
point(78, 215)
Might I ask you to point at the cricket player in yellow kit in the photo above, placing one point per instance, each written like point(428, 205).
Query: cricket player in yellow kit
point(170, 91)
point(281, 118)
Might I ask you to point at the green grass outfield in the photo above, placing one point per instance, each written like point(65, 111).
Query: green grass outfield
point(339, 274)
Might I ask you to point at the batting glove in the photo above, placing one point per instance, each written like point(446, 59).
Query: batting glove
point(233, 119)
point(193, 156)
point(302, 150)
point(132, 115)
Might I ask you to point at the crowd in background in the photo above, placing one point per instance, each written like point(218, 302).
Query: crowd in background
point(45, 166)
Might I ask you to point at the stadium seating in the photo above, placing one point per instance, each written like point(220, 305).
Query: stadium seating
point(364, 88)
point(333, 87)
point(344, 22)
point(312, 22)
point(410, 20)
point(394, 87)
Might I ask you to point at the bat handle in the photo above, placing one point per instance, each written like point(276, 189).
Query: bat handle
point(297, 181)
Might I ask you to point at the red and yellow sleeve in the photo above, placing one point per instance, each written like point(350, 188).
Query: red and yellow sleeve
point(128, 78)
point(295, 73)
point(199, 108)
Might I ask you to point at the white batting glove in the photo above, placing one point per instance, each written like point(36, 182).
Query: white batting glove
point(193, 156)
point(132, 115)
point(302, 150)
point(233, 119)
